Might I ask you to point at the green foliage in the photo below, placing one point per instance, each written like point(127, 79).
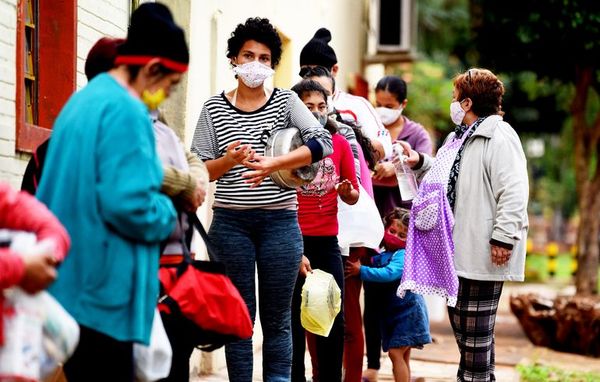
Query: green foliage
point(429, 95)
point(549, 37)
point(542, 373)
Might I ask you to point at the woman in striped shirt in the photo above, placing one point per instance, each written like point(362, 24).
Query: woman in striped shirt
point(255, 221)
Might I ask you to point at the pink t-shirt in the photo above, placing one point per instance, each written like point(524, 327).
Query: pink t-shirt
point(365, 173)
point(317, 201)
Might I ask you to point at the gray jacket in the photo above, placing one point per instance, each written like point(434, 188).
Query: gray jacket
point(492, 191)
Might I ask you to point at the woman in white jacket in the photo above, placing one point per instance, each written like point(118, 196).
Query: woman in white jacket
point(469, 221)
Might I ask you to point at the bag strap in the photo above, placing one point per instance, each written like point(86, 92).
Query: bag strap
point(210, 248)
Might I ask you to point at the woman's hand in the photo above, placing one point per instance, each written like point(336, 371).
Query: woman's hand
point(412, 155)
point(384, 170)
point(262, 166)
point(197, 198)
point(500, 256)
point(352, 268)
point(237, 153)
point(304, 266)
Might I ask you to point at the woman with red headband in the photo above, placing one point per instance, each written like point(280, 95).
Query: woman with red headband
point(102, 179)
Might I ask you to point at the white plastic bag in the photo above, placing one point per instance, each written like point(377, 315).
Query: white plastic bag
point(38, 335)
point(153, 362)
point(20, 356)
point(360, 224)
point(321, 302)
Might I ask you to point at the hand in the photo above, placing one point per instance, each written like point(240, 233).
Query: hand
point(262, 166)
point(197, 198)
point(304, 266)
point(500, 256)
point(237, 153)
point(413, 156)
point(40, 268)
point(344, 188)
point(352, 268)
point(384, 170)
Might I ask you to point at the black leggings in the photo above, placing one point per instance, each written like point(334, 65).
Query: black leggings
point(375, 301)
point(101, 358)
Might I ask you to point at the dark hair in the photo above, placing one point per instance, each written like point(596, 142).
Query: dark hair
point(317, 71)
point(398, 213)
point(257, 29)
point(368, 150)
point(307, 86)
point(483, 88)
point(134, 71)
point(394, 85)
point(101, 57)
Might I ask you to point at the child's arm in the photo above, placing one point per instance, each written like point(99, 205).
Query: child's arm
point(391, 272)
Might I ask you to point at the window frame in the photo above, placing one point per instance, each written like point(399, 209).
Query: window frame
point(56, 68)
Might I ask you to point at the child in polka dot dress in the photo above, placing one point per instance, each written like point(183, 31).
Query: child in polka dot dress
point(404, 321)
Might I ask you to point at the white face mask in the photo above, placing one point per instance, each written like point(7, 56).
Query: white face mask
point(457, 114)
point(388, 116)
point(253, 74)
point(330, 108)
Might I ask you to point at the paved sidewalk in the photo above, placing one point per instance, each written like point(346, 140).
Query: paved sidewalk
point(438, 362)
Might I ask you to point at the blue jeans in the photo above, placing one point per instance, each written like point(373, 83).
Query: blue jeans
point(270, 239)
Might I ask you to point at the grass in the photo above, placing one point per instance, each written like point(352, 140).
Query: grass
point(541, 373)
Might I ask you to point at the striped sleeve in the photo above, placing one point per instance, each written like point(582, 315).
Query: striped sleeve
point(204, 142)
point(310, 129)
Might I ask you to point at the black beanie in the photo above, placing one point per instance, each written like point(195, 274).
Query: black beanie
point(317, 51)
point(154, 34)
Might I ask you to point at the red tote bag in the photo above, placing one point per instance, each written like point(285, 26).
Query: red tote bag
point(200, 294)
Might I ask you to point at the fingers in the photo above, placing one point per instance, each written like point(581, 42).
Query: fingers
point(500, 256)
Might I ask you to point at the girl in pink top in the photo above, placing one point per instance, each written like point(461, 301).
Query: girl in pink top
point(34, 272)
point(317, 215)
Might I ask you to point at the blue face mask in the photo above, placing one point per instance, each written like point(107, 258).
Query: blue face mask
point(322, 118)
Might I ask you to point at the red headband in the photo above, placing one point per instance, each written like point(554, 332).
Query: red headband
point(143, 60)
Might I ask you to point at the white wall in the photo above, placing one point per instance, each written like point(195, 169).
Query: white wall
point(11, 167)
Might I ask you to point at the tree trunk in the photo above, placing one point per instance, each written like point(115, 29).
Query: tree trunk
point(588, 186)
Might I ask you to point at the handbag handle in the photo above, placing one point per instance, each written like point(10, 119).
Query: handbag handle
point(187, 256)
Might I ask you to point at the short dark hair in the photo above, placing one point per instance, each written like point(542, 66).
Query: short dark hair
point(257, 29)
point(483, 88)
point(307, 86)
point(394, 85)
point(317, 71)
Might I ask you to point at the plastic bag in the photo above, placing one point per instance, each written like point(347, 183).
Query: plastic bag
point(321, 302)
point(360, 224)
point(153, 362)
point(20, 356)
point(38, 335)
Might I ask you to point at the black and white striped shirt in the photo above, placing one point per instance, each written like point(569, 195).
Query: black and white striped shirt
point(221, 124)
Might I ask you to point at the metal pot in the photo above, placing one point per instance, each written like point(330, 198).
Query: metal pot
point(282, 142)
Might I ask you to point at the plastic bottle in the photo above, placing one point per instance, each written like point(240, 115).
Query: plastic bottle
point(407, 182)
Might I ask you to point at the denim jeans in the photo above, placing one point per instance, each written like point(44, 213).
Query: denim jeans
point(324, 254)
point(271, 240)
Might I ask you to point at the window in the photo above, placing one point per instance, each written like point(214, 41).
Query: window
point(46, 66)
point(393, 25)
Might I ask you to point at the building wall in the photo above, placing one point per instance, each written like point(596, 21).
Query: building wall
point(11, 167)
point(96, 18)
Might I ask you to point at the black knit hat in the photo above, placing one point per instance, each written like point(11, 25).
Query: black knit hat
point(154, 34)
point(317, 51)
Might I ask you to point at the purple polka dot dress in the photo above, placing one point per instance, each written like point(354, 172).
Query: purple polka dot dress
point(429, 258)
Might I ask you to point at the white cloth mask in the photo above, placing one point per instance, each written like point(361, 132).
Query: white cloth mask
point(388, 116)
point(457, 114)
point(253, 74)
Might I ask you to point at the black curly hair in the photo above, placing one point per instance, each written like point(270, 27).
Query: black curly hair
point(257, 29)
